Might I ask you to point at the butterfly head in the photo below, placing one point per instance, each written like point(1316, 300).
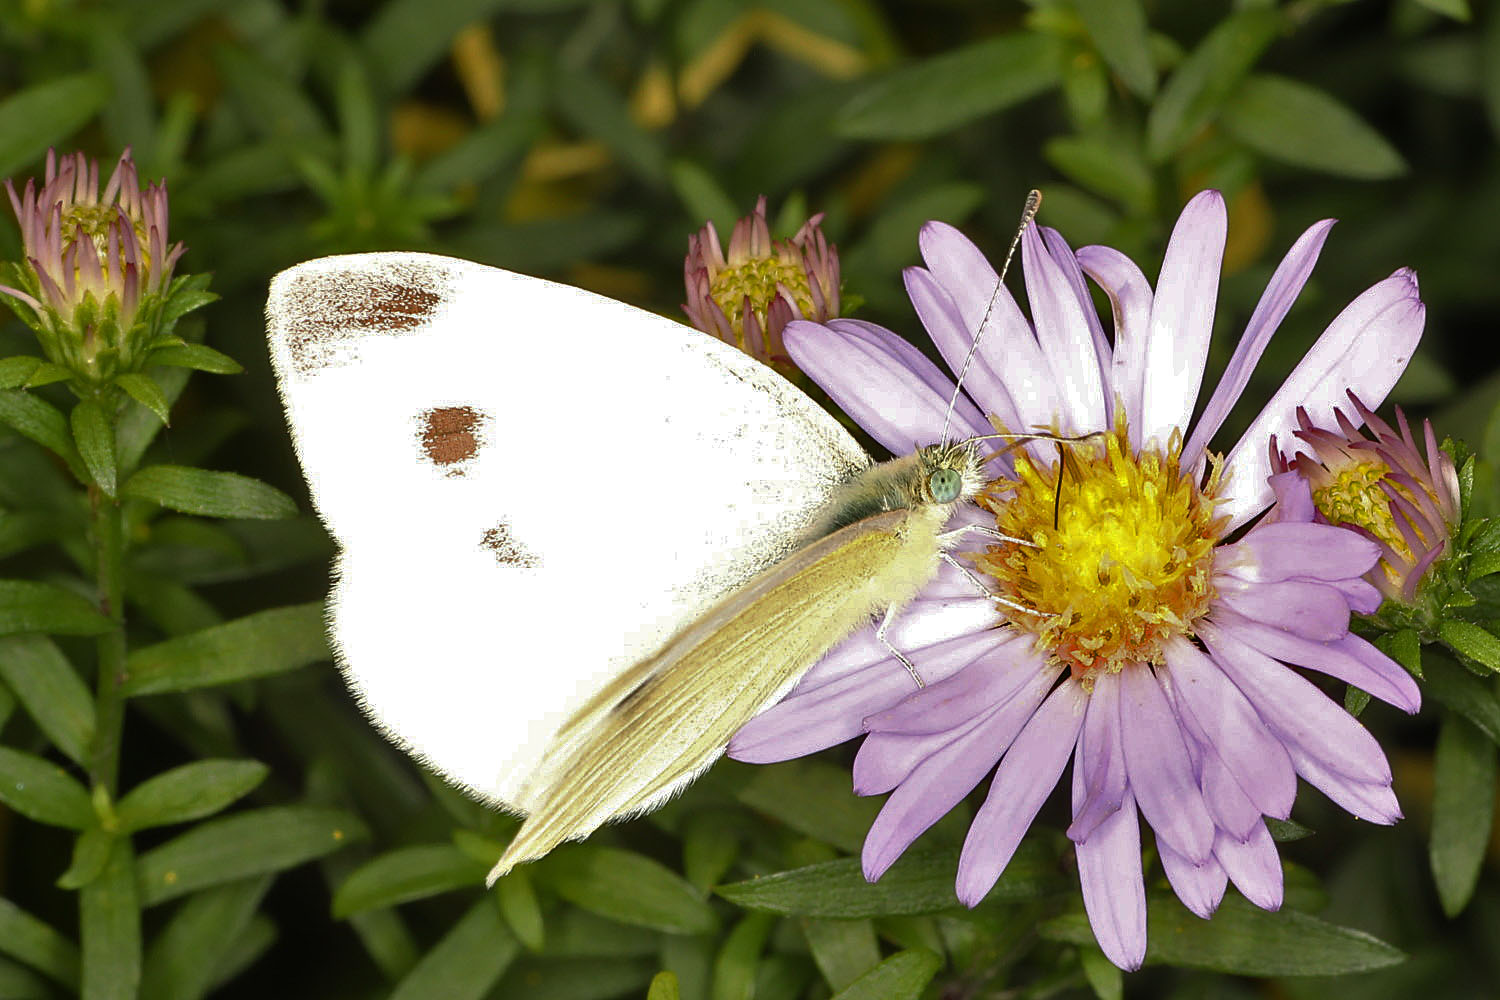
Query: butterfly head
point(950, 473)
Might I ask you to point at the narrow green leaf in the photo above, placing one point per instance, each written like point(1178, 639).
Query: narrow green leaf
point(1289, 121)
point(844, 950)
point(1460, 691)
point(598, 111)
point(43, 791)
point(405, 874)
point(144, 390)
point(267, 642)
point(110, 925)
point(627, 887)
point(710, 843)
point(46, 374)
point(91, 853)
point(209, 494)
point(1286, 830)
point(94, 436)
point(189, 792)
point(244, 950)
point(735, 965)
point(1458, 10)
point(903, 976)
point(1119, 31)
point(812, 797)
point(139, 426)
point(941, 93)
point(1471, 642)
point(702, 195)
point(519, 907)
point(186, 953)
point(17, 371)
point(50, 690)
point(1110, 168)
point(36, 943)
point(664, 987)
point(129, 118)
point(1244, 940)
point(1405, 647)
point(45, 115)
point(921, 882)
point(26, 606)
point(467, 963)
point(248, 843)
point(1463, 805)
point(197, 357)
point(1206, 79)
point(359, 117)
point(274, 104)
point(1105, 979)
point(35, 418)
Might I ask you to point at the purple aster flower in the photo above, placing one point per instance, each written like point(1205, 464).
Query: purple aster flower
point(1151, 621)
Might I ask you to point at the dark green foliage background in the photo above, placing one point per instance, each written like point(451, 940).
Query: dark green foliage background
point(516, 133)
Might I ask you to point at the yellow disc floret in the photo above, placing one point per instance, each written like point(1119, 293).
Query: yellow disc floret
point(1119, 561)
point(756, 279)
point(1350, 494)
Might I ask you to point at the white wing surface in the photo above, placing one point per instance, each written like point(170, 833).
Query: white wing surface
point(532, 488)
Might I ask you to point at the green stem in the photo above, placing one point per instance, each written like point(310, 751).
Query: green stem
point(109, 559)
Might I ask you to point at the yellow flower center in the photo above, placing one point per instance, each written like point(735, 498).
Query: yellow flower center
point(1352, 495)
point(95, 220)
point(1119, 562)
point(756, 279)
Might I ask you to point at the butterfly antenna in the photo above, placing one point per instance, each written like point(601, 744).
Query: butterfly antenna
point(1028, 214)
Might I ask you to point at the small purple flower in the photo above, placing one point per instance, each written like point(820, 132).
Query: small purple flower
point(747, 298)
point(1153, 614)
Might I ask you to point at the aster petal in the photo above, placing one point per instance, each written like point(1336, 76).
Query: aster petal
point(1293, 495)
point(888, 387)
point(1281, 291)
point(1182, 317)
point(1350, 659)
point(1200, 886)
point(1232, 810)
point(1253, 864)
point(1285, 550)
point(1373, 802)
point(1303, 717)
point(1114, 888)
point(1130, 296)
point(944, 778)
point(1301, 607)
point(885, 760)
point(955, 700)
point(1022, 782)
point(1063, 331)
point(1364, 350)
point(1161, 773)
point(1099, 785)
point(1229, 726)
point(1362, 596)
point(945, 325)
point(1068, 261)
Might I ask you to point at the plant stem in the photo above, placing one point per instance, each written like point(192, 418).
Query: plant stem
point(109, 560)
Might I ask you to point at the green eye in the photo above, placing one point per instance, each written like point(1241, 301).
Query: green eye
point(946, 485)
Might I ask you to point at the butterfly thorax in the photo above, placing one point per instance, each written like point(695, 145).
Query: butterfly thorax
point(932, 479)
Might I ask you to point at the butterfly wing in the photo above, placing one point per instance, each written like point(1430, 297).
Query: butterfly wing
point(532, 488)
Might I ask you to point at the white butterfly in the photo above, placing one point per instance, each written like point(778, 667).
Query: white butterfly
point(580, 544)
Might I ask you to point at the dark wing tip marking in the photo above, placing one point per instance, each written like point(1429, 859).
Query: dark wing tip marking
point(323, 310)
point(507, 549)
point(449, 436)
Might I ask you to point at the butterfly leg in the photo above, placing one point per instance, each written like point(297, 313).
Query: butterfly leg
point(880, 630)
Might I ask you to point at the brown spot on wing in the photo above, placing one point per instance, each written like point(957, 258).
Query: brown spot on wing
point(451, 435)
point(332, 309)
point(508, 551)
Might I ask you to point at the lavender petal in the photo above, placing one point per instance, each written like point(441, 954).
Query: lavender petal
point(1161, 773)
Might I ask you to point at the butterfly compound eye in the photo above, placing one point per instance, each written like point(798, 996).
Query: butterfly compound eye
point(946, 485)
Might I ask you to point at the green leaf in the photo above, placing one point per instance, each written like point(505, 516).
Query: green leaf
point(627, 887)
point(50, 690)
point(921, 882)
point(703, 196)
point(144, 390)
point(19, 983)
point(844, 950)
point(1405, 647)
point(710, 843)
point(139, 426)
point(1119, 31)
point(46, 115)
point(271, 99)
point(35, 418)
point(43, 791)
point(110, 925)
point(519, 907)
point(17, 371)
point(1286, 830)
point(1105, 979)
point(94, 436)
point(1471, 642)
point(267, 642)
point(91, 853)
point(664, 987)
point(405, 874)
point(812, 797)
point(1202, 83)
point(189, 792)
point(183, 958)
point(248, 843)
point(34, 942)
point(596, 110)
point(1458, 10)
point(735, 965)
point(209, 494)
point(1289, 121)
point(1463, 805)
point(26, 606)
point(1109, 168)
point(1244, 940)
point(903, 976)
point(941, 93)
point(467, 963)
point(1460, 691)
point(197, 357)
